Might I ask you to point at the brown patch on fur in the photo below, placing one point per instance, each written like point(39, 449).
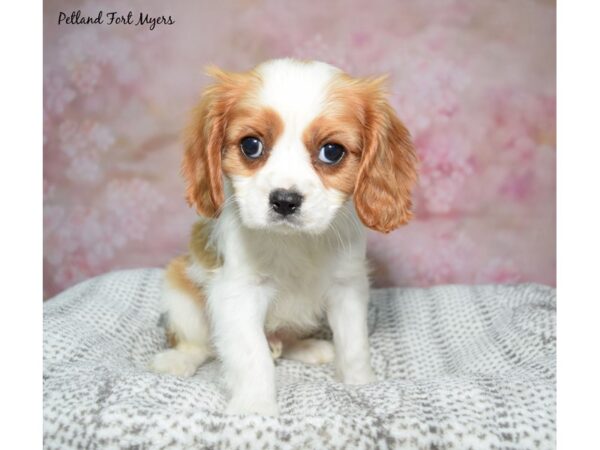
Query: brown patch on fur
point(205, 137)
point(263, 123)
point(345, 131)
point(172, 339)
point(178, 279)
point(387, 172)
point(176, 274)
point(200, 249)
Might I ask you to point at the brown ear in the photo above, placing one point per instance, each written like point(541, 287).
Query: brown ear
point(205, 138)
point(388, 172)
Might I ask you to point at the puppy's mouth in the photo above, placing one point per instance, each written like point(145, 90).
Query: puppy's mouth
point(285, 223)
point(292, 225)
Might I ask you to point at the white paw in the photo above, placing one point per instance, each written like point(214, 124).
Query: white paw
point(311, 351)
point(357, 377)
point(174, 362)
point(261, 407)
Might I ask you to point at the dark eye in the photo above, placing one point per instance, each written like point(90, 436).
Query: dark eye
point(331, 153)
point(252, 147)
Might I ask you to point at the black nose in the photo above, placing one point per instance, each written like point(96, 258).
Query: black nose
point(285, 202)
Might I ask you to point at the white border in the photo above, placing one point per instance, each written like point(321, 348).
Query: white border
point(21, 225)
point(578, 224)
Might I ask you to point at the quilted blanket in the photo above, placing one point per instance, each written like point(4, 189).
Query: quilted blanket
point(458, 367)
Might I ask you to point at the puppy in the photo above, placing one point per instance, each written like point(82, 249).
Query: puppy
point(285, 163)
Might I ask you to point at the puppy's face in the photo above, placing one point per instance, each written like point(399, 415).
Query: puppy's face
point(295, 141)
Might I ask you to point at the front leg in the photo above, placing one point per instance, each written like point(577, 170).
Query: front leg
point(347, 316)
point(238, 307)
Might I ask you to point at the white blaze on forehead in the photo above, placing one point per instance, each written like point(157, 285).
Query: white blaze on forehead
point(295, 89)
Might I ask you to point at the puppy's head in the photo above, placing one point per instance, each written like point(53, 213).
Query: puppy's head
point(295, 141)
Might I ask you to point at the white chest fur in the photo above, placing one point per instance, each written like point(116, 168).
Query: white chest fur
point(300, 268)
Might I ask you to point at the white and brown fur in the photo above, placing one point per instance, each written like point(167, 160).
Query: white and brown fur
point(253, 287)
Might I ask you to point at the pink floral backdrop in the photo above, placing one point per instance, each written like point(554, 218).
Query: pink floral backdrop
point(473, 80)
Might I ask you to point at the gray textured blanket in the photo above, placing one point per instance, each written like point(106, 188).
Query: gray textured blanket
point(459, 367)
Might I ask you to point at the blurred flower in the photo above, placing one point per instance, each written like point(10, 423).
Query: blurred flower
point(84, 168)
point(446, 160)
point(57, 95)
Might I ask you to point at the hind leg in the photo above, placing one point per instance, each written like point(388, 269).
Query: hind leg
point(183, 360)
point(187, 324)
point(310, 351)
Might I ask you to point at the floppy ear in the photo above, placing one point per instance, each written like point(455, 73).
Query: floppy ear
point(388, 172)
point(204, 140)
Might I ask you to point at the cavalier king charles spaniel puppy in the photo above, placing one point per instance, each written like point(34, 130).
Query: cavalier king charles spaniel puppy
point(285, 164)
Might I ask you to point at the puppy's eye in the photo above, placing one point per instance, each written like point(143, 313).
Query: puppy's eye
point(331, 153)
point(252, 147)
